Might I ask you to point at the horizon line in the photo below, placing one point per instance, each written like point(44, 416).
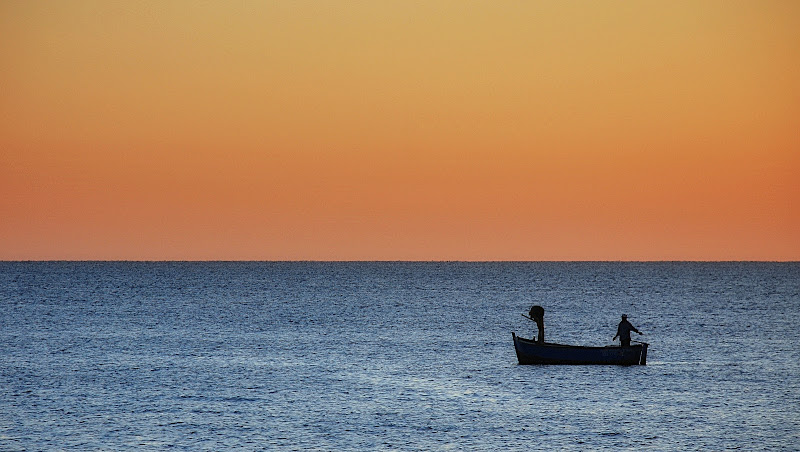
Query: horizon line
point(406, 260)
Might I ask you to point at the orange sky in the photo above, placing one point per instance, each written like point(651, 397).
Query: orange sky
point(442, 130)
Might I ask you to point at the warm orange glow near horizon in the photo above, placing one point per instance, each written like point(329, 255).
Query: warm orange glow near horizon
point(444, 130)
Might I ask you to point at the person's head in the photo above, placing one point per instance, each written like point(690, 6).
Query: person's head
point(536, 311)
point(624, 317)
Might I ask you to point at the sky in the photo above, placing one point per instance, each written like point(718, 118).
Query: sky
point(399, 130)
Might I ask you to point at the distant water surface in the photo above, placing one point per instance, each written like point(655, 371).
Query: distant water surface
point(394, 356)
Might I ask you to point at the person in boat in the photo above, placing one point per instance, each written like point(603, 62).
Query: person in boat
point(624, 331)
point(537, 315)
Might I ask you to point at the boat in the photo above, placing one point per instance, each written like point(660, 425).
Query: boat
point(533, 352)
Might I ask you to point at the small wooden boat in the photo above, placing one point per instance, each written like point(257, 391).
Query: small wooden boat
point(532, 352)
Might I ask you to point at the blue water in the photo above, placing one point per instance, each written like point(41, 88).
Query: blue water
point(394, 356)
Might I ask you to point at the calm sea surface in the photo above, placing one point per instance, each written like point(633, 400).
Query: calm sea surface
point(394, 356)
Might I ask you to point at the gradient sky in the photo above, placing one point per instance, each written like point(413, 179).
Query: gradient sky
point(384, 130)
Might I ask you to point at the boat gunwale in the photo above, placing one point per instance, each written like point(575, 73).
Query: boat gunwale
point(590, 347)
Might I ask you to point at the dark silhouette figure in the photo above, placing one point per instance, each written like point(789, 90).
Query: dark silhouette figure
point(537, 315)
point(624, 331)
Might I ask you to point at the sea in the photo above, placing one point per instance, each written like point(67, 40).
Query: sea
point(407, 356)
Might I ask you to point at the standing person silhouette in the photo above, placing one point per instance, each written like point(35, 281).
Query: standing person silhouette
point(624, 331)
point(537, 315)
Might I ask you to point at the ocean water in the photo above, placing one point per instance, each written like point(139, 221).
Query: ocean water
point(394, 356)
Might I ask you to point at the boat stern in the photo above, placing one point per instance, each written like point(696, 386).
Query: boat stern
point(643, 354)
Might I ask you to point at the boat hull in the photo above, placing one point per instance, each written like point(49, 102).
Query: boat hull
point(532, 352)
